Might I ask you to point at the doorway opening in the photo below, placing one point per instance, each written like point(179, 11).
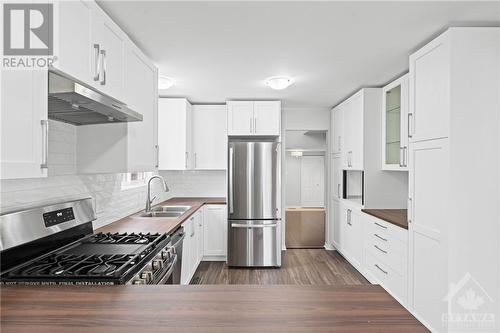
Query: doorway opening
point(305, 193)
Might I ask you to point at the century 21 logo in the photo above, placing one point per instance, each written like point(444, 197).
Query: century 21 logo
point(28, 29)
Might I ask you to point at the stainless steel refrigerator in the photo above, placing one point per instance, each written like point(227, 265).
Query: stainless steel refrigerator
point(254, 204)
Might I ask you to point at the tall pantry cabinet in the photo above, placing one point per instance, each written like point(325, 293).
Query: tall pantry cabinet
point(454, 174)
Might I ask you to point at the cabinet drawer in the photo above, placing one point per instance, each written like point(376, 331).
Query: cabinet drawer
point(390, 251)
point(391, 280)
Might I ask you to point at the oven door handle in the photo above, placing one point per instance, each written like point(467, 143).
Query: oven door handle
point(167, 275)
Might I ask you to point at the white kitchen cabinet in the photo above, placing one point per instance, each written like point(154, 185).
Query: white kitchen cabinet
point(199, 236)
point(215, 232)
point(174, 134)
point(75, 51)
point(209, 137)
point(247, 118)
point(336, 230)
point(111, 43)
point(386, 256)
point(188, 251)
point(395, 125)
point(24, 125)
point(351, 229)
point(453, 175)
point(337, 126)
point(337, 186)
point(267, 117)
point(141, 80)
point(429, 84)
point(354, 132)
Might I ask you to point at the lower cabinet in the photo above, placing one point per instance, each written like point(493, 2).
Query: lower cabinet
point(376, 248)
point(215, 233)
point(205, 239)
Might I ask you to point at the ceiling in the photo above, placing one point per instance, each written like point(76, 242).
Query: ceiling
point(224, 50)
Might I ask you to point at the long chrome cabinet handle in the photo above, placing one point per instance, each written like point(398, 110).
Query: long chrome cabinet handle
point(231, 166)
point(255, 125)
point(338, 190)
point(405, 156)
point(400, 157)
point(382, 238)
point(410, 125)
point(103, 67)
point(157, 148)
point(410, 210)
point(195, 160)
point(45, 138)
point(186, 160)
point(96, 62)
point(380, 225)
point(253, 226)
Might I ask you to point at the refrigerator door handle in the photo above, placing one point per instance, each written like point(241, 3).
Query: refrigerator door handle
point(238, 225)
point(231, 180)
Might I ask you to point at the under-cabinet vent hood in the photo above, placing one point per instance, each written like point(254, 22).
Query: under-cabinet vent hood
point(76, 104)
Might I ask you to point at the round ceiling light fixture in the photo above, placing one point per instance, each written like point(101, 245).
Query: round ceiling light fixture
point(164, 82)
point(279, 82)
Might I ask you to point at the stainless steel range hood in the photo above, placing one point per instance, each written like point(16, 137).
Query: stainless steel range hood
point(74, 103)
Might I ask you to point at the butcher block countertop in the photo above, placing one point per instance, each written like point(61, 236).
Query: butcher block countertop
point(160, 224)
point(397, 217)
point(203, 308)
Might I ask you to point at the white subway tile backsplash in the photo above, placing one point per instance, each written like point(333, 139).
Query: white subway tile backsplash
point(110, 201)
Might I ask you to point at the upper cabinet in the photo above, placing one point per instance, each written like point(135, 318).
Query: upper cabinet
point(248, 118)
point(209, 137)
point(337, 126)
point(174, 134)
point(90, 47)
point(24, 125)
point(395, 125)
point(191, 137)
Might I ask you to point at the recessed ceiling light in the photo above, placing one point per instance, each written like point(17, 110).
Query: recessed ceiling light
point(165, 82)
point(279, 82)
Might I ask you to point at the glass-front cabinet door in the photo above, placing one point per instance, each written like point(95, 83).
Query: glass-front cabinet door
point(394, 125)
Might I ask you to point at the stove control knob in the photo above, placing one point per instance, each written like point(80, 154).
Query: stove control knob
point(157, 264)
point(139, 281)
point(147, 276)
point(165, 255)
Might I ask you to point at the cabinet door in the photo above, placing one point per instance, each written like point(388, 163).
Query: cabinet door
point(172, 133)
point(215, 232)
point(394, 125)
point(427, 217)
point(209, 137)
point(355, 228)
point(430, 90)
point(338, 129)
point(267, 116)
point(336, 189)
point(356, 132)
point(141, 96)
point(24, 127)
point(337, 235)
point(76, 55)
point(186, 253)
point(199, 233)
point(240, 118)
point(111, 43)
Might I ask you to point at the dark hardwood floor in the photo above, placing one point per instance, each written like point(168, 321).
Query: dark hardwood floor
point(299, 266)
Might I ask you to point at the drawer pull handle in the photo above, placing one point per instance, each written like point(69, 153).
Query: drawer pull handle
point(380, 225)
point(380, 269)
point(382, 238)
point(378, 248)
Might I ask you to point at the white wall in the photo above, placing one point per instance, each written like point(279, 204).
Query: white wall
point(305, 119)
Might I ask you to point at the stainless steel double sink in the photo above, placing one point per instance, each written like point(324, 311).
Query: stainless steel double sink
point(165, 211)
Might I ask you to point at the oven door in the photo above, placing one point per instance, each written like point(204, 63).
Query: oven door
point(167, 275)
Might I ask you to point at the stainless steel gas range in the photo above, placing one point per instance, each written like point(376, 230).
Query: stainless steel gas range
point(55, 245)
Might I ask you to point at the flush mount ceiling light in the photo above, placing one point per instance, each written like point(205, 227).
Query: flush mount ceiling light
point(165, 82)
point(279, 82)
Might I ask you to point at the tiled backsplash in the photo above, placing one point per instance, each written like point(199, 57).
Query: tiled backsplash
point(111, 201)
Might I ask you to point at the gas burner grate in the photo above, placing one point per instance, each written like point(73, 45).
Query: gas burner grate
point(123, 238)
point(75, 266)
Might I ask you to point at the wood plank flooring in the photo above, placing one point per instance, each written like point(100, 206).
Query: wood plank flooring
point(299, 267)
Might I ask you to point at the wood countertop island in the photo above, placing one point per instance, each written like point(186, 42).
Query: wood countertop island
point(198, 308)
point(160, 224)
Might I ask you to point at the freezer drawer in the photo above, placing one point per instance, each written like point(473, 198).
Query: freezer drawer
point(254, 243)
